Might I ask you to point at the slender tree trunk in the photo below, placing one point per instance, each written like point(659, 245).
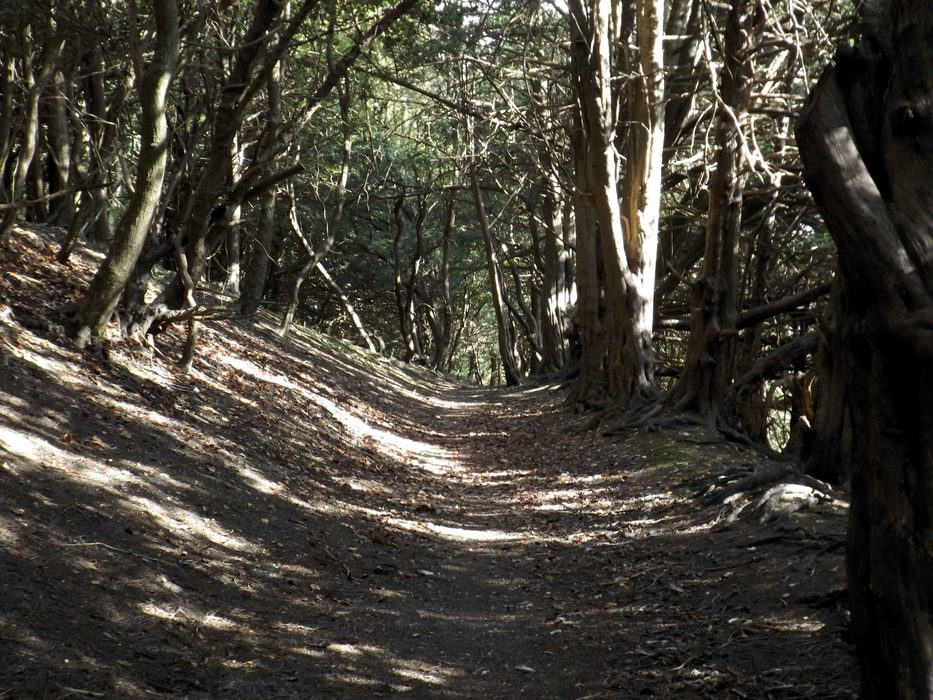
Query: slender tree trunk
point(401, 300)
point(226, 123)
point(710, 364)
point(34, 82)
point(445, 320)
point(867, 145)
point(95, 205)
point(7, 109)
point(494, 273)
point(59, 156)
point(254, 281)
point(348, 307)
point(555, 296)
point(101, 299)
point(412, 286)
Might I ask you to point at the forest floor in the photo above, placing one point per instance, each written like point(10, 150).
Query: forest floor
point(299, 519)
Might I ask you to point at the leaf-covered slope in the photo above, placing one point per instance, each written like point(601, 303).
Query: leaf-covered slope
point(297, 518)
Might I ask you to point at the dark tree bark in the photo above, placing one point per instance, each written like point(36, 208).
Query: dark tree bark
point(710, 364)
point(58, 136)
point(866, 139)
point(257, 270)
point(555, 291)
point(34, 79)
point(226, 123)
point(586, 336)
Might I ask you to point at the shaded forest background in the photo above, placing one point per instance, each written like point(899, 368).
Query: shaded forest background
point(413, 188)
point(605, 192)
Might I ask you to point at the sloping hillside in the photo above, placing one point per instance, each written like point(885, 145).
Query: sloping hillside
point(299, 519)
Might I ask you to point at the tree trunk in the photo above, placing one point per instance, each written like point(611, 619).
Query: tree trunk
point(641, 208)
point(628, 235)
point(254, 281)
point(226, 123)
point(866, 139)
point(494, 273)
point(95, 205)
point(555, 294)
point(406, 329)
point(107, 286)
point(34, 81)
point(710, 364)
point(59, 157)
point(445, 317)
point(587, 340)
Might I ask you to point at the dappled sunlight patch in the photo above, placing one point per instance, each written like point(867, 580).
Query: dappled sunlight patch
point(408, 669)
point(572, 499)
point(429, 457)
point(172, 612)
point(20, 444)
point(804, 625)
point(9, 538)
point(446, 532)
point(37, 452)
point(182, 520)
point(458, 534)
point(259, 482)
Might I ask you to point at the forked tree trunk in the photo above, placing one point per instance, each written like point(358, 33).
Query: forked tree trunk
point(108, 284)
point(866, 138)
point(628, 230)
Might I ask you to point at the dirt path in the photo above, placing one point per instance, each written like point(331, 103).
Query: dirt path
point(301, 520)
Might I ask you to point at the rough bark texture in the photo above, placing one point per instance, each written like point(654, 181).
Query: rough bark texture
point(710, 365)
point(107, 285)
point(628, 230)
point(866, 138)
point(587, 337)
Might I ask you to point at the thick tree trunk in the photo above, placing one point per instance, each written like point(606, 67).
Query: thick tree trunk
point(866, 138)
point(587, 340)
point(641, 205)
point(108, 284)
point(628, 232)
